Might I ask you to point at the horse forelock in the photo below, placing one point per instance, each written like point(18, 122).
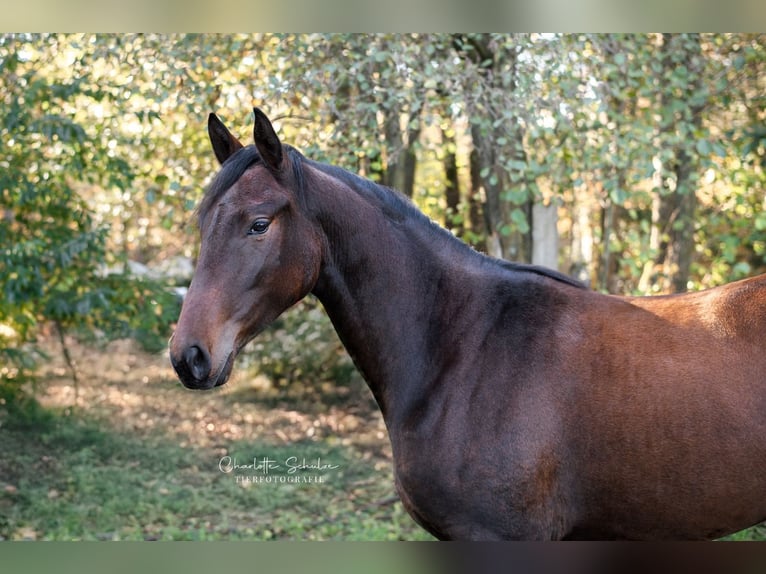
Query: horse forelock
point(231, 170)
point(235, 167)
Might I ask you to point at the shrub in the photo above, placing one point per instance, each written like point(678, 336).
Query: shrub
point(53, 249)
point(301, 345)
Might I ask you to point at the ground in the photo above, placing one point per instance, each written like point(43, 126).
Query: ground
point(128, 453)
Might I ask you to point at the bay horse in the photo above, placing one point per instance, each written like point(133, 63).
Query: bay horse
point(519, 404)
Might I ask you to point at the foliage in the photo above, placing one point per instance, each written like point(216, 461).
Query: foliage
point(105, 151)
point(652, 146)
point(105, 154)
point(54, 260)
point(301, 345)
point(629, 128)
point(77, 478)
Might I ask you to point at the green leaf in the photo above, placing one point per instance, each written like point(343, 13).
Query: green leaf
point(515, 195)
point(704, 147)
point(618, 195)
point(719, 149)
point(741, 269)
point(519, 218)
point(516, 164)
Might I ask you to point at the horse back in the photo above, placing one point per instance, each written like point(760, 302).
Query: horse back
point(735, 310)
point(668, 424)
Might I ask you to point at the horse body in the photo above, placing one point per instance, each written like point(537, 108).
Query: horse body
point(677, 403)
point(519, 405)
point(533, 409)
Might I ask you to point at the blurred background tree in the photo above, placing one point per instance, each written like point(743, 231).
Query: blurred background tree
point(60, 266)
point(635, 162)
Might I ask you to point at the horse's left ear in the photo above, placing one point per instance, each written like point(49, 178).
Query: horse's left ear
point(267, 142)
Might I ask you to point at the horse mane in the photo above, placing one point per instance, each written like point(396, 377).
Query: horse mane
point(399, 207)
point(542, 271)
point(394, 204)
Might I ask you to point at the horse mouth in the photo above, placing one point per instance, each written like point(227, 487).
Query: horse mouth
point(225, 372)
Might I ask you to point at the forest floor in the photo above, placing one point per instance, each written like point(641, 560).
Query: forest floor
point(129, 454)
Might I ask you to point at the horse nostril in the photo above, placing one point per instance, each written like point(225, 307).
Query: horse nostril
point(198, 363)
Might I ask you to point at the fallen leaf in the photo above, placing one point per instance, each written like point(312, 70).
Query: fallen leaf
point(25, 533)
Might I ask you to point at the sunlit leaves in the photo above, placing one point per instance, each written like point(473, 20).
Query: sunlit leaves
point(57, 164)
point(105, 135)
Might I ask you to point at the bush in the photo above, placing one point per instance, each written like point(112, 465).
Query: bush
point(53, 249)
point(301, 345)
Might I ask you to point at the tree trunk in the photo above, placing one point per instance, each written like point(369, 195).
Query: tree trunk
point(484, 157)
point(476, 203)
point(452, 219)
point(545, 235)
point(506, 238)
point(676, 218)
point(402, 160)
point(675, 208)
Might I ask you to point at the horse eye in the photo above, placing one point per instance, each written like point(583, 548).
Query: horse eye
point(259, 227)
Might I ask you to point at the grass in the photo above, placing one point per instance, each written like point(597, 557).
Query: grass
point(755, 533)
point(138, 459)
point(68, 478)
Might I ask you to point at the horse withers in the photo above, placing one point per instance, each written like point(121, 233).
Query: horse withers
point(519, 404)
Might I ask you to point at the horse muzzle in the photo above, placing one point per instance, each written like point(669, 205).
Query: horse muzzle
point(194, 368)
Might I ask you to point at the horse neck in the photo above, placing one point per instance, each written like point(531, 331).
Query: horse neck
point(386, 285)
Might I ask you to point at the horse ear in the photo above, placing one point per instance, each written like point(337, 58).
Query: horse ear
point(267, 142)
point(224, 143)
